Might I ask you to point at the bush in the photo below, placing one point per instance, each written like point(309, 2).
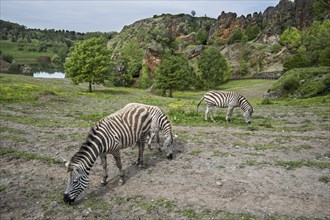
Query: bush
point(275, 48)
point(303, 82)
point(8, 58)
point(291, 84)
point(297, 61)
point(266, 101)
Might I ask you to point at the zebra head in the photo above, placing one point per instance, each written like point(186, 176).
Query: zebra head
point(247, 115)
point(78, 181)
point(168, 147)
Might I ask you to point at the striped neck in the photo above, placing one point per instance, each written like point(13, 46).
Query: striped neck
point(89, 151)
point(244, 104)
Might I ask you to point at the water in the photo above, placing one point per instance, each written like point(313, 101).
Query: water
point(59, 75)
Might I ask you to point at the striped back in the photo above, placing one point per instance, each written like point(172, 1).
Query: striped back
point(159, 121)
point(225, 99)
point(109, 135)
point(228, 99)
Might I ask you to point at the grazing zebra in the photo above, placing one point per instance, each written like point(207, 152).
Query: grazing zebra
point(226, 99)
point(108, 136)
point(159, 122)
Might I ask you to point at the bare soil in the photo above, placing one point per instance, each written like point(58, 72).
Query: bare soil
point(218, 172)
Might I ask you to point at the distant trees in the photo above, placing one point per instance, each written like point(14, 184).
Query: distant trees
point(174, 73)
point(128, 65)
point(214, 68)
point(88, 61)
point(311, 47)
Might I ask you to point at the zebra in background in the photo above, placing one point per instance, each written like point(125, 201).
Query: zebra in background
point(160, 121)
point(108, 136)
point(224, 100)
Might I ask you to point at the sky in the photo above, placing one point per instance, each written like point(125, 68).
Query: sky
point(110, 15)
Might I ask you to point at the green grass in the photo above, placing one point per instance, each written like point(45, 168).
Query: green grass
point(30, 156)
point(303, 82)
point(26, 56)
point(324, 179)
point(290, 165)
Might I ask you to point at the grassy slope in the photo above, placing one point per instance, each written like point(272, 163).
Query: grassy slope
point(48, 104)
point(62, 99)
point(25, 56)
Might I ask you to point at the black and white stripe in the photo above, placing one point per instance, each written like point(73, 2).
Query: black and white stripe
point(228, 100)
point(117, 131)
point(160, 121)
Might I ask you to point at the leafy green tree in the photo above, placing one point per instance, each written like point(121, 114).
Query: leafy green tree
point(88, 61)
point(236, 36)
point(201, 37)
point(213, 66)
point(314, 49)
point(296, 61)
point(251, 32)
point(291, 38)
point(174, 73)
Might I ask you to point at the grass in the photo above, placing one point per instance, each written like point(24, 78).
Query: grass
point(49, 104)
point(30, 156)
point(324, 179)
point(25, 56)
point(290, 165)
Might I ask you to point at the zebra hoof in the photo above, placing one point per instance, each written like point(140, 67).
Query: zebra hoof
point(103, 182)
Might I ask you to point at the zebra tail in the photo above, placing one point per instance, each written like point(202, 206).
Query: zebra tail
point(200, 101)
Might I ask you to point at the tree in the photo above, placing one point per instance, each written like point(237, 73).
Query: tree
point(213, 66)
point(88, 61)
point(291, 38)
point(236, 36)
point(174, 73)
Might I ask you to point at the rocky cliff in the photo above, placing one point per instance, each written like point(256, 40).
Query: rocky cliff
point(190, 33)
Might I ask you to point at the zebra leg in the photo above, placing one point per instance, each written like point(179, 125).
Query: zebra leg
point(206, 112)
point(229, 113)
point(210, 110)
point(141, 149)
point(105, 168)
point(157, 140)
point(150, 139)
point(119, 165)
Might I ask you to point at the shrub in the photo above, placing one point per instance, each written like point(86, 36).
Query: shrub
point(297, 61)
point(291, 84)
point(275, 48)
point(303, 82)
point(8, 58)
point(266, 101)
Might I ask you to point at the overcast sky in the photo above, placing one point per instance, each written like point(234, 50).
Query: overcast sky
point(110, 15)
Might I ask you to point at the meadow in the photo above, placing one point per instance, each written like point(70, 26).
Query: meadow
point(277, 167)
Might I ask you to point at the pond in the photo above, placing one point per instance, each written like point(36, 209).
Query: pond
point(59, 75)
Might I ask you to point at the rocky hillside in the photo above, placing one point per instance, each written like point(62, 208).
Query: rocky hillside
point(250, 43)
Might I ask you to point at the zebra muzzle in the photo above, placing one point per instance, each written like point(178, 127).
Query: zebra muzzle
point(67, 199)
point(170, 156)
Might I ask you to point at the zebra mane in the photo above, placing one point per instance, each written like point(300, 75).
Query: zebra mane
point(87, 153)
point(244, 103)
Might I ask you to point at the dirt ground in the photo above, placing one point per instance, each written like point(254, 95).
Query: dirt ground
point(218, 172)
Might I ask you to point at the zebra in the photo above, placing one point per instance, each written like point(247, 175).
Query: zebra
point(226, 99)
point(107, 136)
point(160, 121)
